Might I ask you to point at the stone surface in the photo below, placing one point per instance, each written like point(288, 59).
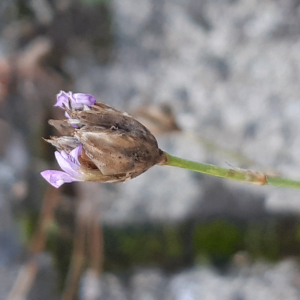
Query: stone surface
point(230, 71)
point(8, 274)
point(258, 281)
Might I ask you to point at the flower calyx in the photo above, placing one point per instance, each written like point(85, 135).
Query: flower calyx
point(111, 145)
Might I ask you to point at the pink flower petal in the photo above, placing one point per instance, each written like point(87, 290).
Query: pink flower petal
point(81, 99)
point(75, 153)
point(57, 178)
point(78, 100)
point(63, 99)
point(67, 164)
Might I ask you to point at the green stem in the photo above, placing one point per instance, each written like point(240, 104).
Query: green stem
point(249, 176)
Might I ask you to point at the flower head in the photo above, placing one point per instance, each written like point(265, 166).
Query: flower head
point(99, 143)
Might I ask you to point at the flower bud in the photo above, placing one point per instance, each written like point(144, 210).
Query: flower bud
point(100, 143)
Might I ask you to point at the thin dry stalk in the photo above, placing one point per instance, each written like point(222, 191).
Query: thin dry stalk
point(78, 259)
point(28, 273)
point(24, 281)
point(51, 199)
point(88, 244)
point(95, 243)
point(91, 285)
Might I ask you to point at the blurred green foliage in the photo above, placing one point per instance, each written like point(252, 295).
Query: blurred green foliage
point(172, 247)
point(218, 240)
point(28, 223)
point(142, 245)
point(95, 2)
point(262, 240)
point(61, 249)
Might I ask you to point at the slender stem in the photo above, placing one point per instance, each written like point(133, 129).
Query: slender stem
point(283, 182)
point(249, 176)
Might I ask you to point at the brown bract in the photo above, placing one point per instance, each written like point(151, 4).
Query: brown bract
point(114, 143)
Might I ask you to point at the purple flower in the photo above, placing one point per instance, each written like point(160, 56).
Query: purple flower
point(70, 164)
point(62, 98)
point(76, 101)
point(113, 146)
point(80, 99)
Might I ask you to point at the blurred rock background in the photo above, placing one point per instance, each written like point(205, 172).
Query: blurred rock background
point(215, 81)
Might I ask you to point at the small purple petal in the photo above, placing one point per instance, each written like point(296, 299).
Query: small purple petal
point(67, 163)
point(75, 153)
point(81, 99)
point(63, 99)
point(78, 100)
point(57, 178)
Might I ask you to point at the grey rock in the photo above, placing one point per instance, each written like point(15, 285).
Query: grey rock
point(112, 288)
point(229, 71)
point(259, 281)
point(8, 274)
point(148, 285)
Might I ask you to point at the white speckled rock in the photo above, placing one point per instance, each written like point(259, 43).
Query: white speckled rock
point(257, 282)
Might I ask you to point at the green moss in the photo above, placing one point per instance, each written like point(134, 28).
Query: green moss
point(23, 9)
point(218, 240)
point(143, 245)
point(169, 247)
point(131, 245)
point(28, 224)
point(175, 246)
point(261, 240)
point(95, 2)
point(173, 241)
point(60, 248)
